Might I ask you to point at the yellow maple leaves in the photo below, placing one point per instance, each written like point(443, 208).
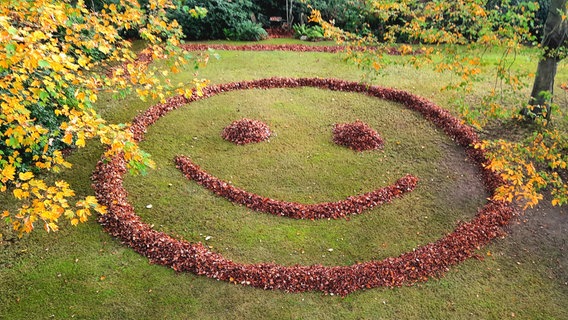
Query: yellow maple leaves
point(48, 50)
point(529, 166)
point(8, 173)
point(23, 176)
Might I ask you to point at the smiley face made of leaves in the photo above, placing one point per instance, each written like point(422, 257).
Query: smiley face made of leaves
point(430, 260)
point(357, 136)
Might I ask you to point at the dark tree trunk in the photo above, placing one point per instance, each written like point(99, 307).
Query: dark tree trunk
point(543, 83)
point(555, 34)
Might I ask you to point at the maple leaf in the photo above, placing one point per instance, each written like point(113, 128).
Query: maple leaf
point(25, 175)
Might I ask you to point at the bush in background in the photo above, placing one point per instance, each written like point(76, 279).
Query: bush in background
point(246, 31)
point(233, 19)
point(306, 32)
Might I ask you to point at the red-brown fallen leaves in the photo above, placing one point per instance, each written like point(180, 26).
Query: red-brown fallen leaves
point(246, 131)
point(262, 47)
point(327, 210)
point(279, 32)
point(430, 260)
point(290, 47)
point(357, 136)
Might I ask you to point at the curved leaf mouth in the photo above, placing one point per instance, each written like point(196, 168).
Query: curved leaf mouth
point(326, 210)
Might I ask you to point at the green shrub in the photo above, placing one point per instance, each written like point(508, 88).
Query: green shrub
point(311, 33)
point(221, 15)
point(350, 15)
point(537, 26)
point(300, 30)
point(246, 31)
point(357, 16)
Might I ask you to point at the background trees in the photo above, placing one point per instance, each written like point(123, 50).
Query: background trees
point(244, 19)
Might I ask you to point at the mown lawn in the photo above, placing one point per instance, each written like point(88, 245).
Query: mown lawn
point(84, 273)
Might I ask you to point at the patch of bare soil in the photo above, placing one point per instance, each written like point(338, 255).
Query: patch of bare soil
point(467, 184)
point(540, 234)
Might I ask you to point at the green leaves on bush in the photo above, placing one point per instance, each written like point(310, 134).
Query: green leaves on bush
point(246, 31)
point(311, 33)
point(224, 19)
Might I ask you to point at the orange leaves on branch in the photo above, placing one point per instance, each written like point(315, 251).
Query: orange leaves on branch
point(529, 166)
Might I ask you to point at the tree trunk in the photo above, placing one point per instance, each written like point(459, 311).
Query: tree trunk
point(555, 34)
point(543, 84)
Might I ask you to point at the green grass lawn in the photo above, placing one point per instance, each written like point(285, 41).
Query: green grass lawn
point(83, 273)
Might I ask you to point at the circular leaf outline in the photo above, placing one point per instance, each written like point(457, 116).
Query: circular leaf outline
point(430, 260)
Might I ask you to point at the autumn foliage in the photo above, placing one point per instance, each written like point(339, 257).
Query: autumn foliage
point(430, 260)
point(56, 57)
point(538, 162)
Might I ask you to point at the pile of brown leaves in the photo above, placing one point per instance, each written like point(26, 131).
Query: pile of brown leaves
point(246, 131)
point(430, 260)
point(357, 136)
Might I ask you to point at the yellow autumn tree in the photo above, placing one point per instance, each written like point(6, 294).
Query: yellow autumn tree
point(451, 36)
point(56, 57)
